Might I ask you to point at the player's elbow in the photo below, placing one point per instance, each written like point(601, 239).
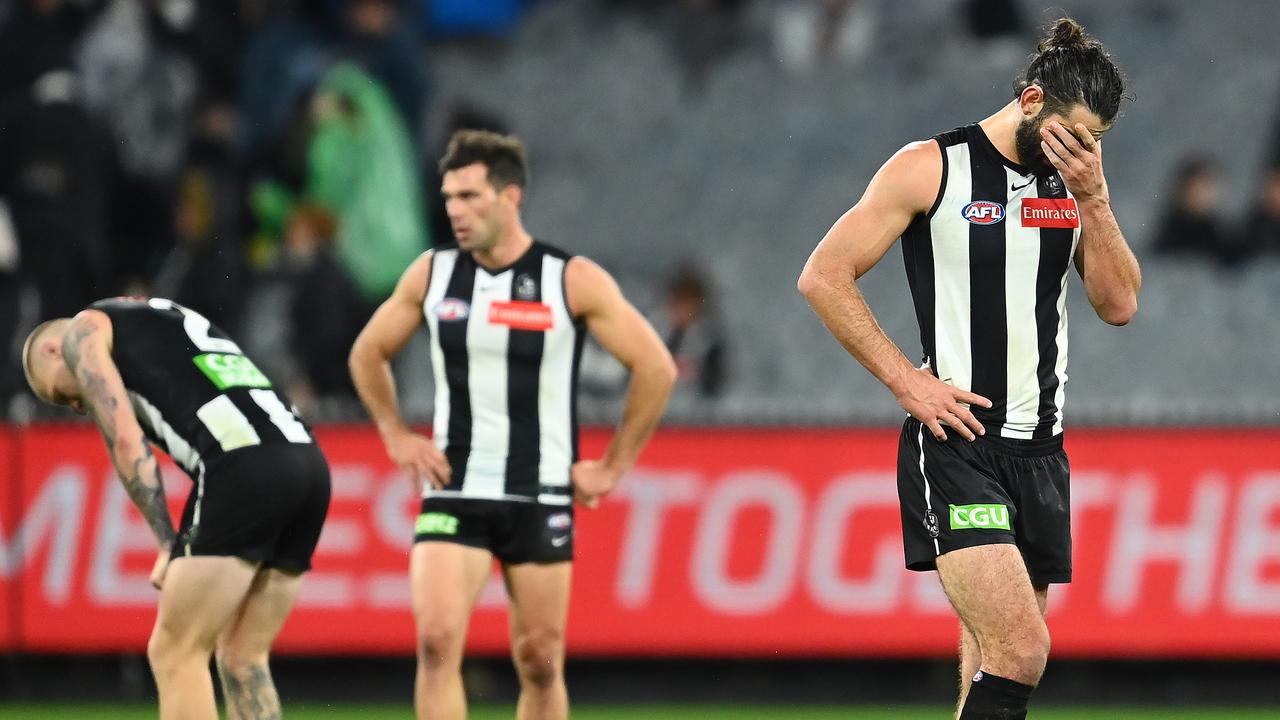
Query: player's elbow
point(363, 353)
point(1118, 312)
point(810, 282)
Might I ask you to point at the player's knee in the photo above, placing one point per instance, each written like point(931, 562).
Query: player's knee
point(439, 646)
point(539, 657)
point(1031, 654)
point(166, 652)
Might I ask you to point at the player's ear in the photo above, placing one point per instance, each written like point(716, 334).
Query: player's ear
point(1031, 100)
point(513, 193)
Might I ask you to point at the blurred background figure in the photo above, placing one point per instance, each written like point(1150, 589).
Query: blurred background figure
point(361, 163)
point(56, 180)
point(694, 334)
point(812, 33)
point(1192, 223)
point(380, 36)
point(326, 311)
point(1259, 235)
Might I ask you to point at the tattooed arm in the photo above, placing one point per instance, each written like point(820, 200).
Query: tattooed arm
point(86, 347)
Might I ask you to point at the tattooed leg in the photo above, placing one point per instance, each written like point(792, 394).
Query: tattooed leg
point(248, 690)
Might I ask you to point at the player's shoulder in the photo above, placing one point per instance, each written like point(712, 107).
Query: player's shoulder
point(911, 177)
point(917, 156)
point(553, 251)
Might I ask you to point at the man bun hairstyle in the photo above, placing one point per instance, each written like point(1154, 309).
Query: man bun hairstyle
point(502, 155)
point(1072, 67)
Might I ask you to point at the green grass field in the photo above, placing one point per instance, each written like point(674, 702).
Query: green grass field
point(304, 711)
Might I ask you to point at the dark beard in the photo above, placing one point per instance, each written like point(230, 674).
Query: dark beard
point(1026, 141)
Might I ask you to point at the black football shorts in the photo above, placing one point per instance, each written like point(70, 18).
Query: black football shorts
point(514, 531)
point(264, 503)
point(959, 494)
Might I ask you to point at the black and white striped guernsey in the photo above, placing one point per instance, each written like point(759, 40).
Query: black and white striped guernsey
point(504, 351)
point(195, 394)
point(988, 269)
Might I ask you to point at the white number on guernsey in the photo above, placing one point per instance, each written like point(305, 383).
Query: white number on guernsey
point(197, 327)
point(233, 430)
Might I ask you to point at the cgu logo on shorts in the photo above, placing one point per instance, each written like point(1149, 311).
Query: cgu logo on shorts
point(979, 517)
point(450, 309)
point(983, 212)
point(436, 523)
point(559, 521)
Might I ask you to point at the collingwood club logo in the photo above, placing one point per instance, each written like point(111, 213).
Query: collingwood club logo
point(526, 287)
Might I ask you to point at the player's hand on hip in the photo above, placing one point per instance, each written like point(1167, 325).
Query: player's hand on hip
point(420, 459)
point(592, 480)
point(159, 569)
point(1077, 156)
point(938, 404)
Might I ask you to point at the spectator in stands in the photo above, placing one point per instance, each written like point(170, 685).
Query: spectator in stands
point(817, 32)
point(56, 169)
point(207, 267)
point(37, 37)
point(1192, 224)
point(137, 79)
point(361, 165)
point(283, 61)
point(326, 313)
point(1260, 234)
point(377, 37)
point(694, 334)
point(703, 32)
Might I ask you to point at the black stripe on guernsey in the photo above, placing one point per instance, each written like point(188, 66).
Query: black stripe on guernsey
point(579, 339)
point(453, 335)
point(917, 254)
point(989, 338)
point(524, 364)
point(1055, 252)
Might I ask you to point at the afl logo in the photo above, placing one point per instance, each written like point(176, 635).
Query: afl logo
point(983, 212)
point(451, 309)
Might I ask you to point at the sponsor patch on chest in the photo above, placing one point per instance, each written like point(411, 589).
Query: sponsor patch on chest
point(983, 212)
point(1050, 213)
point(452, 309)
point(522, 315)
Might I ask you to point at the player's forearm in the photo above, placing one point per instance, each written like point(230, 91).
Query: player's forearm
point(140, 474)
point(845, 312)
point(1111, 274)
point(376, 386)
point(647, 395)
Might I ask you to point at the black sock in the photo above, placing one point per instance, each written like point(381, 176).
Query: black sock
point(995, 698)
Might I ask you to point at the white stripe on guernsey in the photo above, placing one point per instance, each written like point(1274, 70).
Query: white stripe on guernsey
point(1060, 396)
point(227, 424)
point(548, 499)
point(487, 379)
point(928, 505)
point(442, 263)
point(555, 382)
point(177, 446)
point(469, 495)
point(1021, 269)
point(952, 341)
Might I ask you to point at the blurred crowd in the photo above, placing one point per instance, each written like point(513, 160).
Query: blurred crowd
point(193, 148)
point(200, 150)
point(1196, 223)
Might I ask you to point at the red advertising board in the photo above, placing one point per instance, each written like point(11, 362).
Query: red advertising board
point(729, 542)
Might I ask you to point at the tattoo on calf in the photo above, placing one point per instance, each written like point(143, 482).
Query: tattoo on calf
point(252, 694)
